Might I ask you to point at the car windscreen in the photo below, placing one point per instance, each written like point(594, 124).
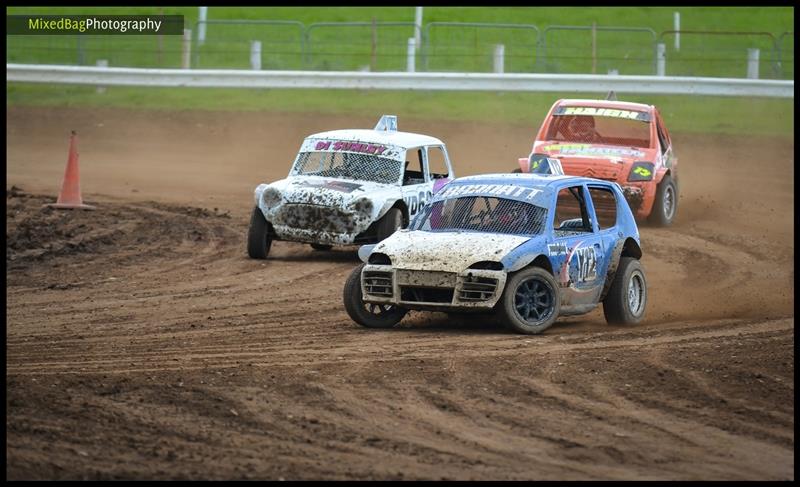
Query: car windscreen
point(481, 214)
point(348, 165)
point(590, 129)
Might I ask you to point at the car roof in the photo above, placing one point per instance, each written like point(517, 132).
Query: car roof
point(527, 180)
point(399, 139)
point(619, 105)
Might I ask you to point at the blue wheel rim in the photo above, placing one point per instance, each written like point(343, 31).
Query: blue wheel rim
point(533, 300)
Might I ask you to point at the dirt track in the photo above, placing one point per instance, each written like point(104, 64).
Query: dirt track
point(142, 343)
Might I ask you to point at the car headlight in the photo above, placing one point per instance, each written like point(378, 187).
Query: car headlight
point(379, 259)
point(271, 197)
point(641, 171)
point(487, 265)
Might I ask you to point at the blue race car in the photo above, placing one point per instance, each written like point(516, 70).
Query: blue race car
point(528, 247)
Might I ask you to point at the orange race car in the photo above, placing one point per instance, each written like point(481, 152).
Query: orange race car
point(615, 141)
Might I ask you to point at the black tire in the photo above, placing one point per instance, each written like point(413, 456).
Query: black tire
point(321, 246)
point(626, 300)
point(517, 171)
point(259, 237)
point(665, 206)
point(366, 314)
point(390, 223)
point(522, 308)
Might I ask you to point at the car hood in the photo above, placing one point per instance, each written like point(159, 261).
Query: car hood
point(446, 251)
point(314, 190)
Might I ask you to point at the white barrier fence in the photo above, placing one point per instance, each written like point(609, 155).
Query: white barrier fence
point(228, 78)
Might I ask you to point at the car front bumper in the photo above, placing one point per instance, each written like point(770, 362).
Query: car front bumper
point(432, 290)
point(326, 225)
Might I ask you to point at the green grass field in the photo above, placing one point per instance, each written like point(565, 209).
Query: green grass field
point(445, 48)
point(452, 49)
point(699, 114)
point(770, 19)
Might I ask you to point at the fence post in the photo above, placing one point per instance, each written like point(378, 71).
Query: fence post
point(81, 53)
point(594, 47)
point(186, 50)
point(102, 63)
point(752, 63)
point(661, 59)
point(410, 58)
point(374, 51)
point(255, 55)
point(418, 27)
point(201, 25)
point(677, 29)
point(499, 55)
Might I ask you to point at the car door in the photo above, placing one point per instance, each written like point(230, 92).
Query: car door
point(604, 206)
point(417, 187)
point(438, 169)
point(577, 252)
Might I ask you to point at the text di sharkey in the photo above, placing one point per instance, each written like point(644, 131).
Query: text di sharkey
point(97, 24)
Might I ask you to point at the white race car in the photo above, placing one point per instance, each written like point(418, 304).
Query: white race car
point(349, 187)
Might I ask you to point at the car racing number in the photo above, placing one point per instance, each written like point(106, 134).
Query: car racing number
point(587, 264)
point(415, 202)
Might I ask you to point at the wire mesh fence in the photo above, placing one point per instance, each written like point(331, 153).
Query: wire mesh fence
point(229, 44)
point(452, 46)
point(354, 46)
point(598, 50)
point(785, 51)
point(444, 46)
point(722, 54)
point(159, 51)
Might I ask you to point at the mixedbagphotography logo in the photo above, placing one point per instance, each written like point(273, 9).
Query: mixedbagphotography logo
point(94, 24)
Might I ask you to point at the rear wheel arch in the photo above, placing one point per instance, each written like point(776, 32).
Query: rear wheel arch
point(631, 249)
point(628, 248)
point(660, 175)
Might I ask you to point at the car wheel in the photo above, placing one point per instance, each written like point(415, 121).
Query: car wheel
point(627, 298)
point(259, 236)
point(370, 315)
point(390, 223)
point(530, 302)
point(666, 203)
point(321, 246)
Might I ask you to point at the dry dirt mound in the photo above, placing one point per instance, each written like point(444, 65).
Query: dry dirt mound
point(40, 238)
point(142, 343)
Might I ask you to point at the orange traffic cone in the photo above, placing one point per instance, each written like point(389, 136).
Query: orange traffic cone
point(70, 195)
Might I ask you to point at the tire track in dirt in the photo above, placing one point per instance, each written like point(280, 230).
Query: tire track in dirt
point(280, 353)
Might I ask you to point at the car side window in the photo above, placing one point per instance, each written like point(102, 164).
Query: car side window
point(605, 206)
point(437, 164)
point(414, 170)
point(571, 215)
